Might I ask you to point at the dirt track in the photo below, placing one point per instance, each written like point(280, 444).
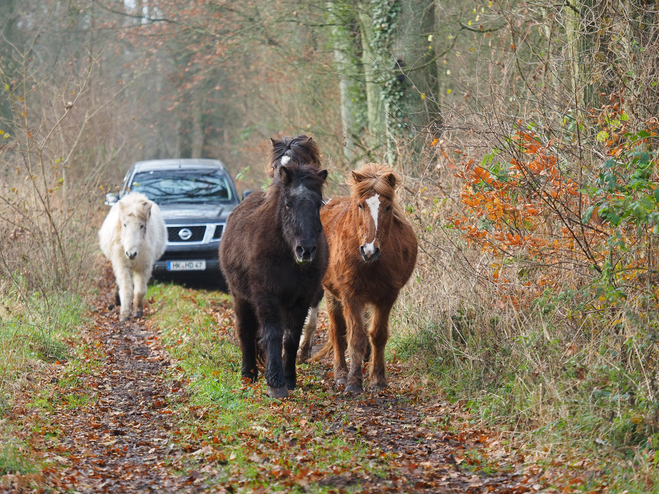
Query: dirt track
point(121, 439)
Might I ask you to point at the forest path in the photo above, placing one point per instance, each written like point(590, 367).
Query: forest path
point(105, 430)
point(116, 427)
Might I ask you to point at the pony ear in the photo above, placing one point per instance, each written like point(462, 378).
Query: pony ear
point(274, 142)
point(285, 174)
point(322, 174)
point(391, 178)
point(357, 177)
point(147, 209)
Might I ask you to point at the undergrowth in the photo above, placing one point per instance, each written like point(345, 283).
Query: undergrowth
point(35, 330)
point(563, 392)
point(13, 458)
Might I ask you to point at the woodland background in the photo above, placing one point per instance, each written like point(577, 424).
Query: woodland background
point(525, 130)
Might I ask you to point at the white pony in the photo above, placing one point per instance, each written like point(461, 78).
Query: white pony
point(133, 237)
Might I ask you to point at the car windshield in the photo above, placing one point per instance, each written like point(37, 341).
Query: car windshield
point(189, 186)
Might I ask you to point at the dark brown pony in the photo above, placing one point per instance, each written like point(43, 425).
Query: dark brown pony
point(372, 255)
point(274, 255)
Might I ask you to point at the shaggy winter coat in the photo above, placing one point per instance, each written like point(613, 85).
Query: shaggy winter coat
point(372, 255)
point(133, 237)
point(274, 255)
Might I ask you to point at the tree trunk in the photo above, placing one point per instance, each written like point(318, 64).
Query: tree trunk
point(580, 46)
point(416, 56)
point(198, 133)
point(573, 26)
point(10, 33)
point(375, 104)
point(347, 120)
point(342, 20)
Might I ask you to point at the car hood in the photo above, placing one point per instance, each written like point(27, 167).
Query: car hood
point(196, 212)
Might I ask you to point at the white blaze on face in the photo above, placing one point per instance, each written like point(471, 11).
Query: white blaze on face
point(374, 205)
point(285, 159)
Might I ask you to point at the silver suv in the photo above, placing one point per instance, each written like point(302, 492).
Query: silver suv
point(195, 196)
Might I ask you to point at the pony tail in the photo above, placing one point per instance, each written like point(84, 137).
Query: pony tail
point(323, 352)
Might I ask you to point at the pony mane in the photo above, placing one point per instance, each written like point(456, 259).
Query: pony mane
point(374, 180)
point(302, 150)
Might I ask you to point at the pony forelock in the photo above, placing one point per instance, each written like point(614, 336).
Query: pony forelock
point(374, 180)
point(135, 204)
point(302, 150)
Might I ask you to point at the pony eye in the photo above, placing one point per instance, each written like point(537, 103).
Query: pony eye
point(388, 209)
point(288, 205)
point(360, 206)
point(124, 225)
point(141, 227)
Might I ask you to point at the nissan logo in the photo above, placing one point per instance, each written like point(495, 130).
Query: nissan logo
point(185, 233)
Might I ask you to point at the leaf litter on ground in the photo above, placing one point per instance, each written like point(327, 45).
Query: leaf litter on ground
point(124, 416)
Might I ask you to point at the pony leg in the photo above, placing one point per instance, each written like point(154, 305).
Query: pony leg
point(246, 327)
point(140, 280)
point(337, 336)
point(310, 325)
point(125, 284)
point(270, 321)
point(292, 340)
point(357, 343)
point(308, 330)
point(379, 334)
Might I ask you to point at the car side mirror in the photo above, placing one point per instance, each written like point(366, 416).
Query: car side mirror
point(246, 193)
point(111, 199)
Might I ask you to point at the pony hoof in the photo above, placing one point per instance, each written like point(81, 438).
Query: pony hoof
point(281, 392)
point(353, 389)
point(138, 314)
point(248, 379)
point(302, 357)
point(378, 387)
point(341, 381)
point(124, 318)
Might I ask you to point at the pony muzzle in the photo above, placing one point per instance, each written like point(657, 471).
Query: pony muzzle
point(305, 255)
point(131, 255)
point(369, 252)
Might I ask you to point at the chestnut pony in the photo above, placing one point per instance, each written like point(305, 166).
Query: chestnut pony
point(274, 256)
point(372, 255)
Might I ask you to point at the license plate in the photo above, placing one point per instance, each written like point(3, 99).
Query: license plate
point(186, 265)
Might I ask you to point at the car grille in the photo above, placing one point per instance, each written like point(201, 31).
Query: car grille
point(218, 232)
point(196, 233)
point(208, 255)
